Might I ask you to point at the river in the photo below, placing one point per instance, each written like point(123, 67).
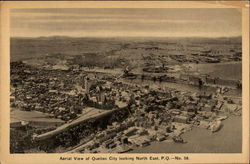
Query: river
point(229, 71)
point(232, 70)
point(227, 140)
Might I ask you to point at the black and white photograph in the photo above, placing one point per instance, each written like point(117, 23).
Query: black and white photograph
point(125, 80)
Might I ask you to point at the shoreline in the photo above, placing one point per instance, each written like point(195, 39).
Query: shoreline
point(227, 140)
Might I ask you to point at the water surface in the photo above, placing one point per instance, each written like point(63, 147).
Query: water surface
point(227, 140)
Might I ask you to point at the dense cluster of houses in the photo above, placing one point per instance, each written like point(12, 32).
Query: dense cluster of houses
point(150, 114)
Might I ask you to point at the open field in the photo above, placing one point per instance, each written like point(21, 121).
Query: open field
point(38, 118)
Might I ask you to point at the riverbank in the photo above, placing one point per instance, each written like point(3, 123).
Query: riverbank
point(227, 140)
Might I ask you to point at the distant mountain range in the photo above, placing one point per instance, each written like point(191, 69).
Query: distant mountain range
point(27, 47)
point(71, 37)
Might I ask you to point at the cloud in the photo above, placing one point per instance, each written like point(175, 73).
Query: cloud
point(138, 22)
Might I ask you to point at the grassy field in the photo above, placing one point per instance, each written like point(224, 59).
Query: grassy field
point(33, 116)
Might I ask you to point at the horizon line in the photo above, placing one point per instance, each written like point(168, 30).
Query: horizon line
point(65, 36)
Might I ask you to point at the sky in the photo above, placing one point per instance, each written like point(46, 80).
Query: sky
point(126, 22)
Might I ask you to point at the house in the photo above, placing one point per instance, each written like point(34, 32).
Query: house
point(181, 119)
point(160, 138)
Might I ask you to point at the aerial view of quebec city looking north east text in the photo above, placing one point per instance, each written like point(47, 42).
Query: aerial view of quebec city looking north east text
point(125, 80)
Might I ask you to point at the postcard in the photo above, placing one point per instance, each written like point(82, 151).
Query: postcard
point(124, 82)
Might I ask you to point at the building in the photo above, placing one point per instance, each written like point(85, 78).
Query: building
point(160, 138)
point(107, 143)
point(130, 131)
point(181, 119)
